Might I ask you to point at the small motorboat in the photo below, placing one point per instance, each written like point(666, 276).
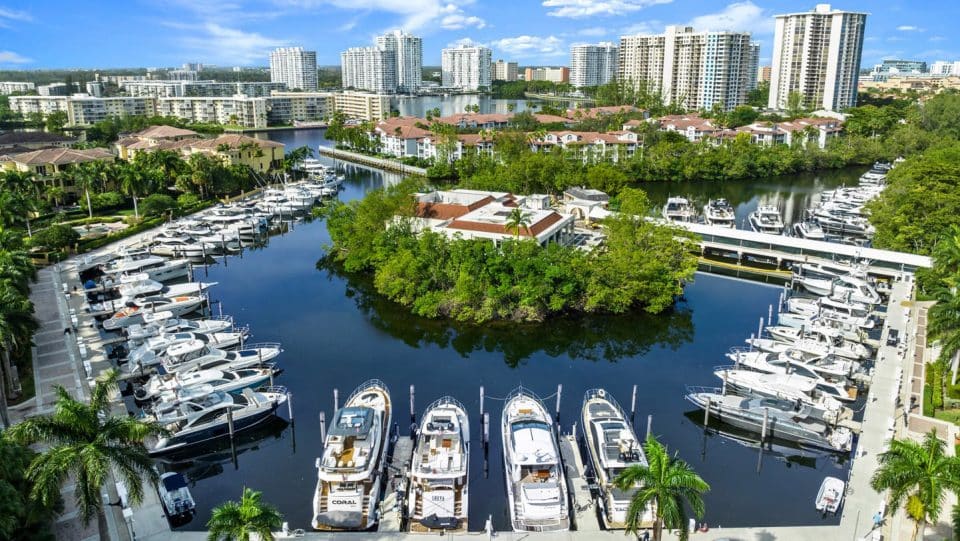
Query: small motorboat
point(830, 495)
point(766, 219)
point(175, 496)
point(679, 209)
point(809, 231)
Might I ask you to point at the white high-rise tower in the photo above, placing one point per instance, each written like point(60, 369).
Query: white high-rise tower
point(294, 67)
point(467, 68)
point(408, 50)
point(593, 65)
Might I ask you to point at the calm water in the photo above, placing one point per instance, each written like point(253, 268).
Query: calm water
point(336, 334)
point(450, 105)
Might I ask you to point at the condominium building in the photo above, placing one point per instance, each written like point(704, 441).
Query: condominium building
point(554, 75)
point(84, 110)
point(763, 74)
point(182, 75)
point(362, 106)
point(26, 105)
point(369, 68)
point(408, 52)
point(9, 87)
point(294, 67)
point(239, 110)
point(816, 54)
point(753, 66)
point(466, 68)
point(95, 89)
point(940, 67)
point(593, 65)
point(179, 89)
point(287, 107)
point(504, 71)
point(697, 70)
point(56, 89)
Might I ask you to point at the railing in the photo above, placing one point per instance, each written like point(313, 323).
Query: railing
point(602, 393)
point(263, 345)
point(366, 386)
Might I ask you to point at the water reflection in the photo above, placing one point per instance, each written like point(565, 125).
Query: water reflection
point(594, 338)
point(450, 105)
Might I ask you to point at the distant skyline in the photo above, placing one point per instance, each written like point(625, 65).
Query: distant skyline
point(162, 33)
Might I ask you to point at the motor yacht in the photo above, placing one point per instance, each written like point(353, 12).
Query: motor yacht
point(825, 397)
point(196, 355)
point(809, 230)
point(437, 500)
point(720, 213)
point(151, 352)
point(156, 267)
point(536, 486)
point(167, 324)
point(213, 416)
point(850, 288)
point(783, 419)
point(613, 446)
point(230, 380)
point(679, 209)
point(349, 473)
point(766, 219)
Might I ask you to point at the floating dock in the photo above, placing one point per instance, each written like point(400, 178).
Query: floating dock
point(582, 506)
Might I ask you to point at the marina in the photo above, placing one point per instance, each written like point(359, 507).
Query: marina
point(673, 350)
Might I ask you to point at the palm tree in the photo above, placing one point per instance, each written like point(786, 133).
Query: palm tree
point(87, 178)
point(917, 475)
point(517, 220)
point(86, 443)
point(17, 325)
point(133, 182)
point(235, 521)
point(668, 485)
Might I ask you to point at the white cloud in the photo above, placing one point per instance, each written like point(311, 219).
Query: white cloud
point(220, 44)
point(530, 46)
point(909, 28)
point(10, 57)
point(9, 16)
point(575, 9)
point(937, 38)
point(416, 14)
point(644, 27)
point(739, 16)
point(465, 42)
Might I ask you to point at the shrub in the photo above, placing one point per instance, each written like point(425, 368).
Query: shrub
point(55, 237)
point(157, 204)
point(107, 200)
point(187, 200)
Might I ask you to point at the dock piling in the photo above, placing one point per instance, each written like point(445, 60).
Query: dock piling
point(481, 401)
point(413, 415)
point(559, 394)
point(486, 431)
point(760, 329)
point(230, 423)
point(633, 403)
point(649, 424)
point(763, 430)
point(336, 400)
point(752, 336)
point(323, 426)
point(770, 314)
point(724, 390)
point(706, 415)
point(289, 404)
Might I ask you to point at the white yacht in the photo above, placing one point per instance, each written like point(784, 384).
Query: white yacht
point(829, 338)
point(794, 361)
point(182, 247)
point(847, 330)
point(196, 355)
point(156, 267)
point(349, 474)
point(437, 500)
point(820, 395)
point(229, 380)
point(850, 288)
point(679, 209)
point(150, 353)
point(536, 486)
point(613, 446)
point(720, 213)
point(809, 230)
point(851, 312)
point(830, 495)
point(167, 324)
point(766, 219)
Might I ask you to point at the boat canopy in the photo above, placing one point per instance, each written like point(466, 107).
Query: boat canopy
point(352, 421)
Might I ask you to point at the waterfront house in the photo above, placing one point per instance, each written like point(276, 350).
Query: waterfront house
point(47, 163)
point(802, 130)
point(476, 214)
point(590, 146)
point(152, 139)
point(261, 155)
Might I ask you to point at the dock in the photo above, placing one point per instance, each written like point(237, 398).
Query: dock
point(582, 506)
point(392, 514)
point(372, 161)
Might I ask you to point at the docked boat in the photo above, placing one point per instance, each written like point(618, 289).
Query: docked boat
point(178, 503)
point(205, 419)
point(439, 474)
point(844, 287)
point(818, 394)
point(831, 339)
point(196, 355)
point(167, 324)
point(830, 495)
point(783, 419)
point(809, 230)
point(182, 247)
point(613, 446)
point(852, 312)
point(151, 352)
point(766, 219)
point(719, 212)
point(809, 349)
point(795, 361)
point(849, 331)
point(349, 474)
point(147, 286)
point(679, 209)
point(536, 486)
point(231, 380)
point(156, 267)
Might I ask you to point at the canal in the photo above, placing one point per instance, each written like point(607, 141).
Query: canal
point(337, 333)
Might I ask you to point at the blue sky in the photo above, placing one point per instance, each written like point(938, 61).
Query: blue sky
point(123, 33)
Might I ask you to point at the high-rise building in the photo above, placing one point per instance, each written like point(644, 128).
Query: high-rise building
point(816, 54)
point(763, 74)
point(504, 71)
point(753, 66)
point(466, 68)
point(294, 67)
point(697, 70)
point(369, 68)
point(901, 66)
point(409, 58)
point(593, 65)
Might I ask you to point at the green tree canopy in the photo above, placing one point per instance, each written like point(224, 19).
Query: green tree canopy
point(55, 237)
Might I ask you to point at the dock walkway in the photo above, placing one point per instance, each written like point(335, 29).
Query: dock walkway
point(582, 505)
point(372, 161)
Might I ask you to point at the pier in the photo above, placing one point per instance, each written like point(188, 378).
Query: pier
point(372, 161)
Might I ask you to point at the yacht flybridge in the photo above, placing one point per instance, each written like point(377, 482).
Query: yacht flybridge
point(536, 489)
point(439, 473)
point(349, 474)
point(719, 212)
point(613, 446)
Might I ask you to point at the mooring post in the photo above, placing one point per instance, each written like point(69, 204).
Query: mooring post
point(706, 415)
point(336, 400)
point(770, 314)
point(751, 342)
point(271, 377)
point(230, 422)
point(633, 403)
point(736, 363)
point(559, 393)
point(763, 431)
point(760, 329)
point(481, 401)
point(724, 390)
point(413, 415)
point(290, 405)
point(323, 426)
point(486, 431)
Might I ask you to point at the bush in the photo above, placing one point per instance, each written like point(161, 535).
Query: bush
point(187, 200)
point(55, 237)
point(157, 204)
point(107, 200)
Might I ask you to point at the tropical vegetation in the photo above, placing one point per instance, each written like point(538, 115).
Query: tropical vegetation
point(641, 265)
point(917, 477)
point(667, 485)
point(22, 517)
point(85, 442)
point(238, 521)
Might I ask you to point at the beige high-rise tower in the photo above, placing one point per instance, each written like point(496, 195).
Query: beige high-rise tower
point(816, 54)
